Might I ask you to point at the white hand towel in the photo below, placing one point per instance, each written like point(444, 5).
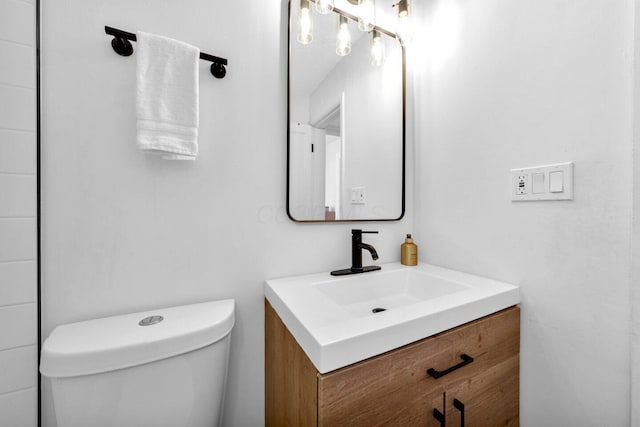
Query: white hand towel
point(167, 96)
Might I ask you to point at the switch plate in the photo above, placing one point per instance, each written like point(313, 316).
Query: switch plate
point(357, 195)
point(548, 182)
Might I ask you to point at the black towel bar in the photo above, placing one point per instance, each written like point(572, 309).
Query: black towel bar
point(122, 46)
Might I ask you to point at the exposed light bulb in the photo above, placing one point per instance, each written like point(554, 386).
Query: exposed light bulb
point(324, 6)
point(366, 15)
point(403, 30)
point(305, 23)
point(377, 49)
point(343, 36)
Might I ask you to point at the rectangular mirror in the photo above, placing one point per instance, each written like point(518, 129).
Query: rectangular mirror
point(346, 118)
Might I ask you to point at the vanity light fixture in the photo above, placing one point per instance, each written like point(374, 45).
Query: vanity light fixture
point(343, 36)
point(366, 15)
point(377, 49)
point(404, 22)
point(324, 6)
point(305, 22)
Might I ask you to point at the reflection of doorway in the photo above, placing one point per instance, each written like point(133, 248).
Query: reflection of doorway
point(332, 124)
point(333, 157)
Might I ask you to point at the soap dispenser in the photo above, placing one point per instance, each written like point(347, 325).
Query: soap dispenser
point(409, 252)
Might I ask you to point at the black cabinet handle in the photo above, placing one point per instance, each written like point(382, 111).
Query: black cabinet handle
point(440, 417)
point(466, 359)
point(460, 407)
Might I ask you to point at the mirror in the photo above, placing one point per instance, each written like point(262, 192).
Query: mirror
point(346, 121)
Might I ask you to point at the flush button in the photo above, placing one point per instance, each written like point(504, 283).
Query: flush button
point(151, 320)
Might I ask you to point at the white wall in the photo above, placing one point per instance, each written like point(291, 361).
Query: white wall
point(508, 84)
point(18, 265)
point(635, 264)
point(124, 232)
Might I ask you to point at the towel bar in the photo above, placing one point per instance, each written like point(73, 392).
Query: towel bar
point(121, 44)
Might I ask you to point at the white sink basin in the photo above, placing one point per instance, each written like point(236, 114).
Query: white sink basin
point(365, 294)
point(337, 320)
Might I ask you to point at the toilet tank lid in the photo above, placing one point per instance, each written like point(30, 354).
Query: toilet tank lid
point(118, 342)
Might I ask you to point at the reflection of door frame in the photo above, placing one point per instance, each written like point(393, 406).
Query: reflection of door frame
point(343, 144)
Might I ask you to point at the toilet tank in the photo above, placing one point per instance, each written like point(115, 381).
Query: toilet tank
point(164, 367)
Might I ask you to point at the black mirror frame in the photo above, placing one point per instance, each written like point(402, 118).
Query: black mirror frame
point(404, 125)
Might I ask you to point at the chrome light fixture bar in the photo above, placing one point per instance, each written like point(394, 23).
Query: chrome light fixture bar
point(355, 18)
point(367, 18)
point(324, 6)
point(343, 35)
point(366, 15)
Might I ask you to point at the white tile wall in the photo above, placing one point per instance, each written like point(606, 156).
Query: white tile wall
point(23, 363)
point(18, 195)
point(18, 108)
point(18, 180)
point(16, 282)
point(17, 239)
point(17, 151)
point(17, 22)
point(19, 68)
point(18, 324)
point(18, 409)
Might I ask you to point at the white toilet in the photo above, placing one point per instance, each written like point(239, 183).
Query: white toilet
point(164, 367)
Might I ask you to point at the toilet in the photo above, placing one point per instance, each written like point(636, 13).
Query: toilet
point(165, 367)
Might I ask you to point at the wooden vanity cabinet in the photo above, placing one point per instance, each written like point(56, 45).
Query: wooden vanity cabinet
point(394, 388)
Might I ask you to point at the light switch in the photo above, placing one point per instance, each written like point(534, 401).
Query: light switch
point(556, 182)
point(537, 181)
point(357, 195)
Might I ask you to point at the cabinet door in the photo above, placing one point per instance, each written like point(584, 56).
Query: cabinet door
point(486, 399)
point(388, 390)
point(485, 393)
point(394, 389)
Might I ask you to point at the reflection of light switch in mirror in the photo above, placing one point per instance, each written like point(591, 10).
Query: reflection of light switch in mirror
point(537, 183)
point(357, 195)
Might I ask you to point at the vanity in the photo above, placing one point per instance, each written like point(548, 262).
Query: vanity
point(403, 346)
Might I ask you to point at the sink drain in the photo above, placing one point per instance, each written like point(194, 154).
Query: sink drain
point(378, 310)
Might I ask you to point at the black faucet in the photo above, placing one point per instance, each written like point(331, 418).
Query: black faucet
point(356, 255)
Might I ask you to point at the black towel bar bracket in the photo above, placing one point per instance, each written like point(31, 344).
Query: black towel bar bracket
point(121, 44)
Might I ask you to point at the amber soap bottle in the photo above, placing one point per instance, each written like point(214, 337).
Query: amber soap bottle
point(409, 252)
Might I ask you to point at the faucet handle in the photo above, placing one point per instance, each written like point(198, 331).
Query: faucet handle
point(370, 232)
